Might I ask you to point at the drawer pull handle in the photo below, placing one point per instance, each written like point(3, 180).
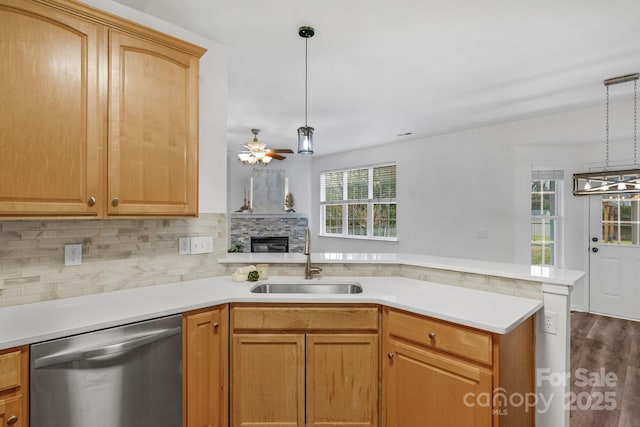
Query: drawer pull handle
point(12, 420)
point(432, 335)
point(391, 355)
point(115, 202)
point(92, 201)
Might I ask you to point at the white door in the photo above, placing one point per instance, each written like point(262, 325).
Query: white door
point(614, 267)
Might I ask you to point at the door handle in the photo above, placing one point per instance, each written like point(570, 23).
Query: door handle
point(594, 250)
point(104, 350)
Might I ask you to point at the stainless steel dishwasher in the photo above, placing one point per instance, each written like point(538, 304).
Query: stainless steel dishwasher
point(128, 376)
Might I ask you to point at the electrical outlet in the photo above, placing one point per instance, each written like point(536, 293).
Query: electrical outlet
point(550, 322)
point(73, 254)
point(184, 246)
point(202, 245)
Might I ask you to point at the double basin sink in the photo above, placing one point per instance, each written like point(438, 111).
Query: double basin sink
point(308, 287)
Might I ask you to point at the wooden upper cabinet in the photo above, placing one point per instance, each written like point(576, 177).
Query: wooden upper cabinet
point(153, 128)
point(51, 111)
point(98, 115)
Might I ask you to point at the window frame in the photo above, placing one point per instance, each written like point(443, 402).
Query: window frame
point(557, 176)
point(345, 203)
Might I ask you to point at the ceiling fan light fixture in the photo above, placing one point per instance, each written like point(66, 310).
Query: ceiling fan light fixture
point(257, 152)
point(305, 133)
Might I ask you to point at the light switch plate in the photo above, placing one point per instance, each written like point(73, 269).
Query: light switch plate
point(202, 245)
point(184, 246)
point(73, 254)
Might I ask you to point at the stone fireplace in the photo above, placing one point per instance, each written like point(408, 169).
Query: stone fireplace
point(244, 226)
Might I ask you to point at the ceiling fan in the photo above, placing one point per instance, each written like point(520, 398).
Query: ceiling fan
point(258, 153)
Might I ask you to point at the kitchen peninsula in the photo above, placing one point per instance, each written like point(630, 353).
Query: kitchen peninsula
point(551, 286)
point(404, 286)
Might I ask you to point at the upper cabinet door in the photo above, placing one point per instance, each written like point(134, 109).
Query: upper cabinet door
point(51, 111)
point(153, 128)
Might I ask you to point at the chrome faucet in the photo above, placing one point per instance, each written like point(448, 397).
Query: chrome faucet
point(309, 271)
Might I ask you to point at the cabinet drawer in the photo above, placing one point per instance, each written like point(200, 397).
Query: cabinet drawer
point(468, 343)
point(10, 370)
point(304, 318)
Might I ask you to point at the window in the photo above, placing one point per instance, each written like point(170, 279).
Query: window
point(359, 202)
point(545, 216)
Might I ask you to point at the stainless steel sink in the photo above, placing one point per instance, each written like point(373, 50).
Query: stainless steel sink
point(307, 287)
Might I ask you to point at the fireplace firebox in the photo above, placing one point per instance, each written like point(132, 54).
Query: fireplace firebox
point(269, 244)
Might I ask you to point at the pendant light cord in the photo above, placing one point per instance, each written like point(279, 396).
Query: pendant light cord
point(635, 122)
point(306, 78)
point(606, 163)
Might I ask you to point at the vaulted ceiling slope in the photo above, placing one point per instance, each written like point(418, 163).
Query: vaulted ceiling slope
point(380, 68)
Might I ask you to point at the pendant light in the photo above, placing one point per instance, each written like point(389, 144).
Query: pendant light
point(613, 181)
point(305, 133)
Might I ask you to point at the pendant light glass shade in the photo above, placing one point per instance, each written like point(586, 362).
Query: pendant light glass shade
point(305, 140)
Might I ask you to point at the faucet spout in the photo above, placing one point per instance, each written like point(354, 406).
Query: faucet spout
point(309, 270)
point(307, 242)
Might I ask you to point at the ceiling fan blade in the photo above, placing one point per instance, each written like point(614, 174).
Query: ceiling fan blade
point(275, 156)
point(280, 150)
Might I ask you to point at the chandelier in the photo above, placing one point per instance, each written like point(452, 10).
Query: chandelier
point(613, 181)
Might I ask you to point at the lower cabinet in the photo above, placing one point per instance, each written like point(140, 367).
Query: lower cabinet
point(14, 387)
point(440, 374)
point(205, 367)
point(304, 365)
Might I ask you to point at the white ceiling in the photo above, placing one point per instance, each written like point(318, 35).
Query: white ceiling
point(379, 68)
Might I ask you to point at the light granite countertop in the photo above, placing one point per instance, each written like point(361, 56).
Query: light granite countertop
point(544, 274)
point(30, 323)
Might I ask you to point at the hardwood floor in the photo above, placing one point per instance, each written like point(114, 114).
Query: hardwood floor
point(604, 346)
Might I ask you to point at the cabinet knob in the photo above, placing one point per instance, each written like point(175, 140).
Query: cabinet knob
point(391, 355)
point(91, 201)
point(432, 335)
point(216, 325)
point(12, 420)
point(115, 202)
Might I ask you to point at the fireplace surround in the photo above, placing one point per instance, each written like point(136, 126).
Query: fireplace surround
point(244, 226)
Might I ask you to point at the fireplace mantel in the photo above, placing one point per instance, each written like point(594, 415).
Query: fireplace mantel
point(266, 215)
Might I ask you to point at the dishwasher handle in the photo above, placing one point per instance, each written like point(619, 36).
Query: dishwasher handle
point(93, 352)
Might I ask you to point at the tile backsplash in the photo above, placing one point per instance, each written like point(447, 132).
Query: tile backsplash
point(117, 254)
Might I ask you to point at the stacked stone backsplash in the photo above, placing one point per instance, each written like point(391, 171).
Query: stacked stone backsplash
point(117, 254)
point(243, 226)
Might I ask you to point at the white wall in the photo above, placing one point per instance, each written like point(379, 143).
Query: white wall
point(213, 104)
point(452, 187)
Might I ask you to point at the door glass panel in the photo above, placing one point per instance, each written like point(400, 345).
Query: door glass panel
point(621, 219)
